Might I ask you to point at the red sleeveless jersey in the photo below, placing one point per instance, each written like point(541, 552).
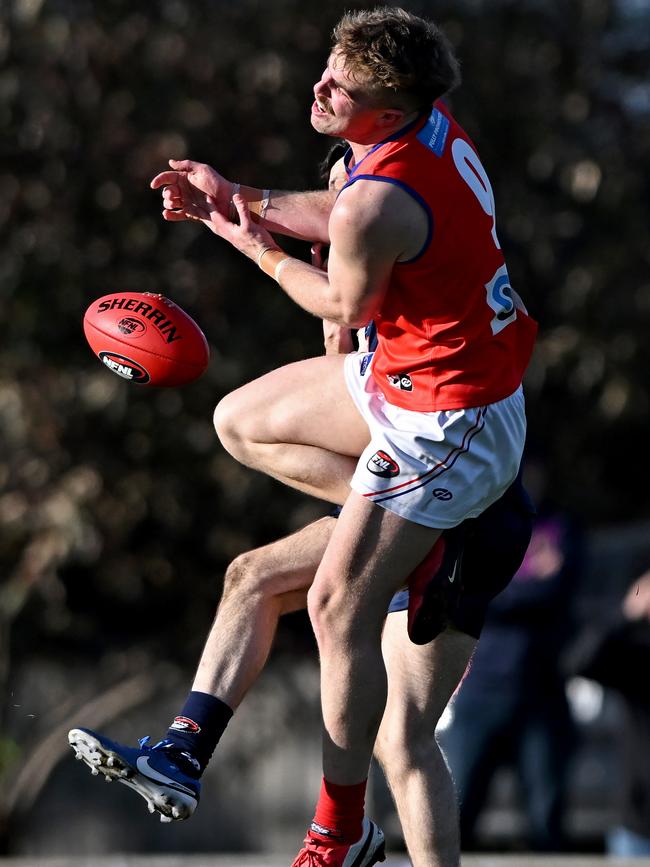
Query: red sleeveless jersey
point(452, 334)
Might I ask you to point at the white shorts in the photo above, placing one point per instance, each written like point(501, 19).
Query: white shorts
point(434, 468)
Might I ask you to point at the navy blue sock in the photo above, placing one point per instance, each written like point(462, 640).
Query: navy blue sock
point(199, 726)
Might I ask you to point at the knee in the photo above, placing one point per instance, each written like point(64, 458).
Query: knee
point(341, 615)
point(228, 423)
point(318, 608)
point(340, 626)
point(246, 575)
point(327, 612)
point(390, 747)
point(401, 747)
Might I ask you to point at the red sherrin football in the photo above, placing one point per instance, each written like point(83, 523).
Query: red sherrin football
point(146, 338)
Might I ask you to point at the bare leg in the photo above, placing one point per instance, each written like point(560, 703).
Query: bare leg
point(297, 424)
point(371, 553)
point(421, 680)
point(300, 425)
point(259, 587)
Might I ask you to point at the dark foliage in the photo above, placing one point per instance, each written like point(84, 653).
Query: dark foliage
point(119, 509)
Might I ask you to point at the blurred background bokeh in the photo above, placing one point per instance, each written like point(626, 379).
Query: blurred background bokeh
point(119, 510)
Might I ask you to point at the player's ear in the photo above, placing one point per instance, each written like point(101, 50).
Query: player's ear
point(390, 117)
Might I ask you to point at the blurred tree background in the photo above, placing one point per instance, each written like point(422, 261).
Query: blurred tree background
point(119, 509)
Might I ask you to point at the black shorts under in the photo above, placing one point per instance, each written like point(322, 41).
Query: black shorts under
point(492, 547)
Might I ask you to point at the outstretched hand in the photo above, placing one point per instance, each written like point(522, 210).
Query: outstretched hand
point(192, 191)
point(195, 191)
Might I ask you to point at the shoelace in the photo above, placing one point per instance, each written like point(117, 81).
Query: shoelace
point(160, 745)
point(175, 753)
point(143, 743)
point(309, 857)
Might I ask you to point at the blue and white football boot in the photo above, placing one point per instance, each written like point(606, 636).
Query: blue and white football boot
point(152, 771)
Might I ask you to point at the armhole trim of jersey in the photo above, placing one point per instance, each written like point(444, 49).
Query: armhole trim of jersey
point(414, 195)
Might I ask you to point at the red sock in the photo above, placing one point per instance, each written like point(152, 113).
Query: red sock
point(339, 813)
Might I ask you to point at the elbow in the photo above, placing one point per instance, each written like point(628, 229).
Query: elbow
point(353, 322)
point(353, 317)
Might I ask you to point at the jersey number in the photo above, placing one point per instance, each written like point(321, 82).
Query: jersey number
point(499, 291)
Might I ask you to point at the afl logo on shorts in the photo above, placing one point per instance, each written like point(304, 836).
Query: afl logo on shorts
point(381, 464)
point(401, 381)
point(365, 361)
point(441, 494)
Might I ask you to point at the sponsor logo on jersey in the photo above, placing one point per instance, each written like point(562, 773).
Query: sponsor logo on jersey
point(125, 367)
point(434, 133)
point(381, 464)
point(185, 724)
point(148, 311)
point(401, 381)
point(441, 494)
point(131, 326)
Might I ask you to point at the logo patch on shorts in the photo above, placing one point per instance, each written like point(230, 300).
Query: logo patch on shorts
point(365, 361)
point(381, 464)
point(185, 724)
point(441, 494)
point(401, 381)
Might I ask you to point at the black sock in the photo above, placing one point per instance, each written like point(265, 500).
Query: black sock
point(199, 726)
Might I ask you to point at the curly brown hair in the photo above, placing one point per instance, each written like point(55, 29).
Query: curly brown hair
point(396, 54)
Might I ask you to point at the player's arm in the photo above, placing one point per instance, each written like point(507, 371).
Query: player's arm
point(195, 191)
point(372, 226)
point(300, 215)
point(370, 229)
point(365, 243)
point(337, 339)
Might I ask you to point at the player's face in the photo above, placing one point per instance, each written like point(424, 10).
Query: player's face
point(341, 106)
